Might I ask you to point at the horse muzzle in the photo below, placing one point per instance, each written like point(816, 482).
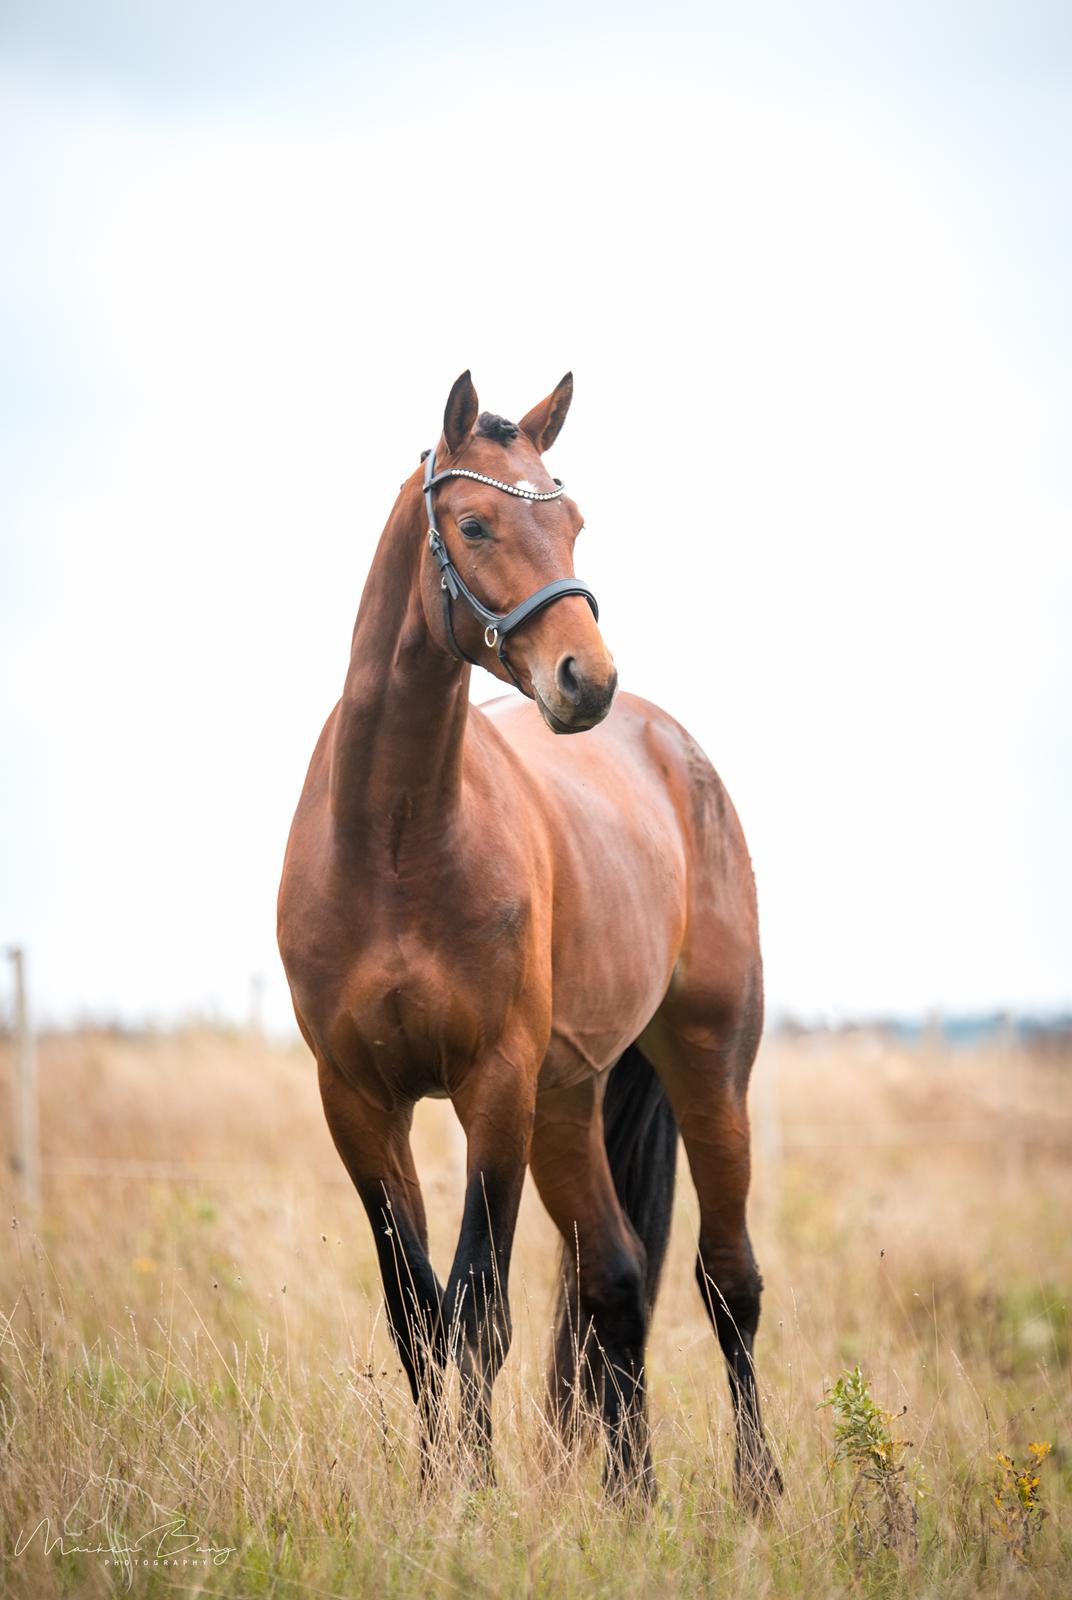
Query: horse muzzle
point(574, 702)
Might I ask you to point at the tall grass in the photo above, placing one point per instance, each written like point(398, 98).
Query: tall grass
point(196, 1353)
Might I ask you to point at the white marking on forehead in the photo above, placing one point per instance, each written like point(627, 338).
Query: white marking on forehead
point(523, 483)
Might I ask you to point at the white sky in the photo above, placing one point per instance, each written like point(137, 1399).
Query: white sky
point(812, 279)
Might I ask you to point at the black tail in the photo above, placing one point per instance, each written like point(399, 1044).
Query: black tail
point(640, 1135)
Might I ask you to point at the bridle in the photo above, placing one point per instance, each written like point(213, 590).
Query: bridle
point(498, 625)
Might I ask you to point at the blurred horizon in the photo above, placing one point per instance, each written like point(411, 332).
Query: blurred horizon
point(1047, 1028)
point(811, 275)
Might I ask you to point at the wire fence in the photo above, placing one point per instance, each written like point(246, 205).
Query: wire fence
point(774, 1145)
point(1008, 1129)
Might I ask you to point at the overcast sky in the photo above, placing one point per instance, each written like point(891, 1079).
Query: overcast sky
point(812, 279)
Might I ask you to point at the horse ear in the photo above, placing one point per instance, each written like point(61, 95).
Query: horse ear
point(543, 422)
point(460, 416)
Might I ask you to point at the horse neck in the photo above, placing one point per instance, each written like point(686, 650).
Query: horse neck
point(397, 744)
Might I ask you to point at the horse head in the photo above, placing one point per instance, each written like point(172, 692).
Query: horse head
point(498, 586)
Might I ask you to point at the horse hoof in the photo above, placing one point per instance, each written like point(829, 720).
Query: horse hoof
point(758, 1483)
point(630, 1485)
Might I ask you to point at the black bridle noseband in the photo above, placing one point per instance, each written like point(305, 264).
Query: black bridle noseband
point(498, 625)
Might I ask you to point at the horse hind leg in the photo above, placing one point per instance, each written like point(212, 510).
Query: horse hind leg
point(705, 1069)
point(606, 1173)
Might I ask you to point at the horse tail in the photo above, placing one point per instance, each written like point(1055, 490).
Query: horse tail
point(640, 1136)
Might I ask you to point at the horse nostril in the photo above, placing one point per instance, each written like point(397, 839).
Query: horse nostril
point(569, 679)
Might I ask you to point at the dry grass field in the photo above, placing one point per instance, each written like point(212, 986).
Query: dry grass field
point(193, 1354)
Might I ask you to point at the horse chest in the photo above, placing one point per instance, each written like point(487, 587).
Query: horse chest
point(429, 985)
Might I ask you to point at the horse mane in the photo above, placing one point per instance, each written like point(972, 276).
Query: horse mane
point(489, 426)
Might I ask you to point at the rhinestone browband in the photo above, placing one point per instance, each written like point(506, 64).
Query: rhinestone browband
point(497, 483)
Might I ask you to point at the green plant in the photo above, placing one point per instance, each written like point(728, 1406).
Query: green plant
point(1017, 1495)
point(880, 1508)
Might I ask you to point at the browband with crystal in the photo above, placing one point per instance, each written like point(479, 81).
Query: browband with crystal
point(497, 483)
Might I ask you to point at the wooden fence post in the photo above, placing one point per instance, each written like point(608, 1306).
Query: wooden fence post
point(28, 1159)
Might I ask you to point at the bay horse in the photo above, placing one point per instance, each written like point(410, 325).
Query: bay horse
point(559, 935)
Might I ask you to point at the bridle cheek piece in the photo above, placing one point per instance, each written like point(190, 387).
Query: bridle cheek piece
point(498, 625)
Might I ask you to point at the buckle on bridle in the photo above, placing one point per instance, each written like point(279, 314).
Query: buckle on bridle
point(491, 636)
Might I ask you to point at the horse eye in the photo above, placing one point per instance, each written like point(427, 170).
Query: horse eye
point(472, 530)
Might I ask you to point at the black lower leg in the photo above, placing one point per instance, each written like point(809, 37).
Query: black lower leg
point(414, 1312)
point(731, 1288)
point(477, 1309)
point(613, 1317)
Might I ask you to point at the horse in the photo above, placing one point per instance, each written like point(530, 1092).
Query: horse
point(557, 934)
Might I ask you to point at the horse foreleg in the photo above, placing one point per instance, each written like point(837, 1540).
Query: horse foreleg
point(495, 1109)
point(373, 1141)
